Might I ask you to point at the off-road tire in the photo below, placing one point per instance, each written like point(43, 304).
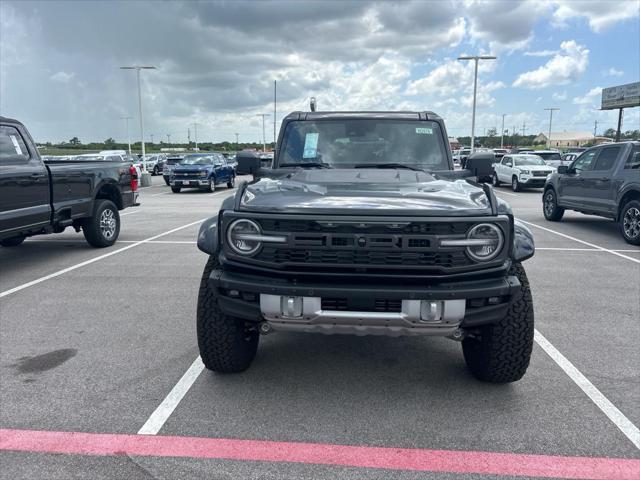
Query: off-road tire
point(550, 208)
point(167, 182)
point(96, 234)
point(515, 184)
point(155, 171)
point(494, 181)
point(232, 182)
point(176, 189)
point(628, 215)
point(227, 344)
point(500, 353)
point(12, 242)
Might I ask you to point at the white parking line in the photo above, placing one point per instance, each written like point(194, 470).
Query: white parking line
point(161, 193)
point(161, 414)
point(130, 213)
point(92, 260)
point(609, 409)
point(598, 247)
point(506, 193)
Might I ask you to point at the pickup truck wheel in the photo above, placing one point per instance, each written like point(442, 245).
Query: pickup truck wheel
point(630, 222)
point(12, 242)
point(515, 184)
point(227, 344)
point(167, 182)
point(232, 182)
point(495, 181)
point(155, 171)
point(103, 228)
point(175, 189)
point(210, 186)
point(500, 353)
point(550, 208)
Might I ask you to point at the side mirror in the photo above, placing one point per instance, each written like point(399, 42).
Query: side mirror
point(563, 169)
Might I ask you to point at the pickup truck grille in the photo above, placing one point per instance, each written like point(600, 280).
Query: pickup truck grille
point(541, 174)
point(380, 244)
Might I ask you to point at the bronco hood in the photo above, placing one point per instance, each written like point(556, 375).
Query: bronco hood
point(364, 191)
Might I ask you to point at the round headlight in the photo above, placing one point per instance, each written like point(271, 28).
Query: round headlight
point(239, 236)
point(488, 241)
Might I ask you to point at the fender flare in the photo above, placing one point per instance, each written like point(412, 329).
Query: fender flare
point(523, 244)
point(208, 236)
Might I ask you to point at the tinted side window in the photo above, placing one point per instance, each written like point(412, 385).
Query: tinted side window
point(585, 161)
point(633, 161)
point(12, 146)
point(607, 158)
point(506, 160)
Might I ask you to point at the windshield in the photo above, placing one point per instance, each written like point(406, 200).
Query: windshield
point(197, 160)
point(528, 160)
point(348, 143)
point(550, 156)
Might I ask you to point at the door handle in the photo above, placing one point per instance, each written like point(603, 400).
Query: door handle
point(604, 179)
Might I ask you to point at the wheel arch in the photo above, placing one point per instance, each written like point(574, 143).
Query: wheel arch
point(109, 191)
point(629, 195)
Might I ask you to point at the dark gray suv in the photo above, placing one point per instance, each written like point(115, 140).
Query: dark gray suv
point(605, 181)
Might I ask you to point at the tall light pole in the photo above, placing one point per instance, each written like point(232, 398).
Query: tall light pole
point(151, 138)
point(137, 68)
point(195, 133)
point(275, 103)
point(475, 58)
point(168, 138)
point(264, 139)
point(502, 131)
point(550, 121)
point(237, 145)
point(128, 136)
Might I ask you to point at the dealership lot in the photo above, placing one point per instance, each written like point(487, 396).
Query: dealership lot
point(94, 341)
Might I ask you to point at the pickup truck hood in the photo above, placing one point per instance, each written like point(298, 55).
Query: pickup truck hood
point(536, 168)
point(191, 168)
point(364, 191)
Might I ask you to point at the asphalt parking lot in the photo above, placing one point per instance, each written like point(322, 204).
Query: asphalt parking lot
point(103, 342)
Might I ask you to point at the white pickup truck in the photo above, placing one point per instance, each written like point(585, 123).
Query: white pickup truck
point(521, 171)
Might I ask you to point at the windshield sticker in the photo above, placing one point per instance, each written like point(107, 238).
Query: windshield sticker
point(424, 130)
point(16, 145)
point(310, 145)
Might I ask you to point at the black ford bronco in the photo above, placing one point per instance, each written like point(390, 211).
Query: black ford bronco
point(362, 227)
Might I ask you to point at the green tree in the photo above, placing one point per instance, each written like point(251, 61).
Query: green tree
point(610, 132)
point(109, 141)
point(75, 141)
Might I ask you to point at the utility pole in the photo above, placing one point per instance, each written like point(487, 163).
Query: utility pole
point(524, 128)
point(264, 139)
point(168, 138)
point(151, 138)
point(275, 103)
point(502, 132)
point(128, 136)
point(195, 133)
point(619, 125)
point(137, 68)
point(515, 134)
point(551, 110)
point(188, 138)
point(595, 129)
point(237, 134)
point(475, 58)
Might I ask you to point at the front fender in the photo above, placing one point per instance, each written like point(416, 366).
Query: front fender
point(208, 236)
point(523, 244)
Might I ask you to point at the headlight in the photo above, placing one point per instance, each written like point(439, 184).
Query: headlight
point(204, 173)
point(245, 237)
point(485, 242)
point(525, 172)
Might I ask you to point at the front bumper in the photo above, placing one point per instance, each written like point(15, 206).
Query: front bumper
point(189, 182)
point(464, 304)
point(533, 181)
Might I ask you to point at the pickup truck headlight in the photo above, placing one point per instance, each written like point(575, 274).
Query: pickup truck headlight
point(524, 172)
point(486, 242)
point(245, 237)
point(204, 173)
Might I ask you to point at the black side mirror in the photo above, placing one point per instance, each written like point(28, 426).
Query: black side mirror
point(563, 169)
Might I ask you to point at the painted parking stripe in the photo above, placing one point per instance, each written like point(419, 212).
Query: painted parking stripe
point(612, 252)
point(609, 409)
point(95, 259)
point(403, 459)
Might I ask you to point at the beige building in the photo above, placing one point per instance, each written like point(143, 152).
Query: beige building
point(570, 139)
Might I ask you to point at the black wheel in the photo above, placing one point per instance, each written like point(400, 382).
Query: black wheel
point(550, 208)
point(630, 222)
point(175, 189)
point(103, 228)
point(168, 183)
point(515, 184)
point(210, 186)
point(227, 344)
point(495, 181)
point(232, 182)
point(500, 353)
point(155, 171)
point(12, 242)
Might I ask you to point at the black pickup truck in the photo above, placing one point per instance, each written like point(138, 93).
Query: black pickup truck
point(39, 197)
point(604, 181)
point(363, 227)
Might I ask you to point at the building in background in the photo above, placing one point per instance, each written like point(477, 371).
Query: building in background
point(570, 139)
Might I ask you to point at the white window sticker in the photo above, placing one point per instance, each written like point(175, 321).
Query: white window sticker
point(424, 130)
point(16, 145)
point(310, 145)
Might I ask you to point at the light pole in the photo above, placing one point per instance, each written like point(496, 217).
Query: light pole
point(128, 136)
point(264, 140)
point(151, 138)
point(237, 145)
point(475, 58)
point(168, 138)
point(502, 131)
point(550, 121)
point(195, 133)
point(137, 68)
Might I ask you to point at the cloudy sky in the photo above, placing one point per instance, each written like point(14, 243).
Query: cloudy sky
point(217, 61)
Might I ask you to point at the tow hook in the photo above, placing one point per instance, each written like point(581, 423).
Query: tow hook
point(265, 328)
point(458, 335)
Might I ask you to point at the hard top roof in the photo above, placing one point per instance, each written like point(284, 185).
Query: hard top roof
point(403, 115)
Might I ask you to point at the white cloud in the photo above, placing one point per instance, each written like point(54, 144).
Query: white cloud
point(541, 53)
point(559, 96)
point(62, 77)
point(563, 68)
point(600, 14)
point(590, 97)
point(483, 99)
point(612, 72)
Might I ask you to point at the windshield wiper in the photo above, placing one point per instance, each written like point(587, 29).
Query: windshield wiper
point(306, 164)
point(387, 165)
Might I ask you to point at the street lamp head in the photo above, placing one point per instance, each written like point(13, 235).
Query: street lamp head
point(477, 57)
point(139, 67)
